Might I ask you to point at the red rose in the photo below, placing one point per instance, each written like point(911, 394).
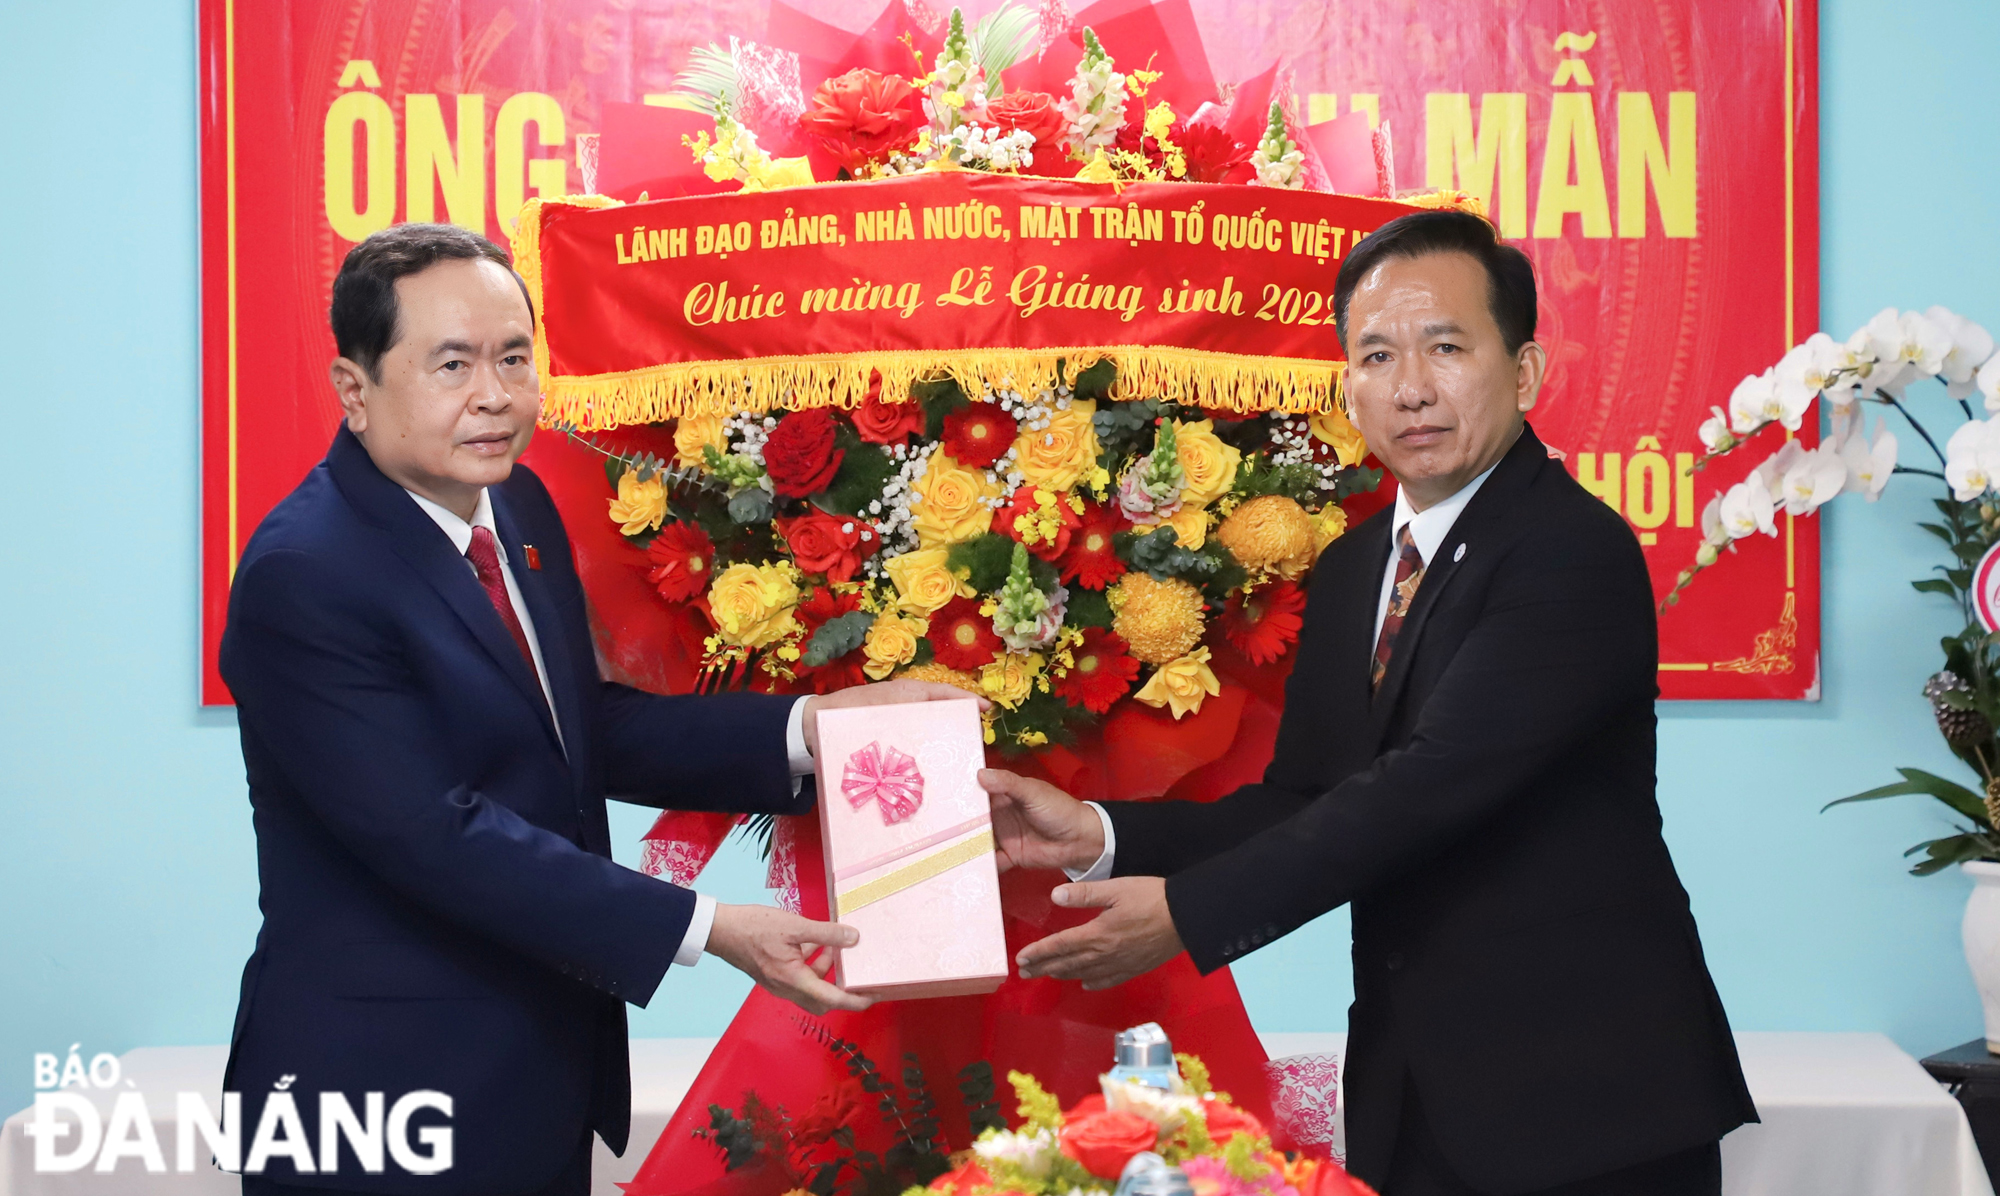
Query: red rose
point(1213, 156)
point(963, 1181)
point(1089, 1106)
point(863, 115)
point(978, 434)
point(1036, 113)
point(1105, 1142)
point(1225, 1121)
point(1007, 518)
point(831, 544)
point(800, 456)
point(683, 560)
point(888, 423)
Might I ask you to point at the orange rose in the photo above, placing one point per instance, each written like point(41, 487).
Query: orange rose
point(863, 115)
point(1105, 1142)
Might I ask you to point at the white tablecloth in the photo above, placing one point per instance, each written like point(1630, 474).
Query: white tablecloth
point(1844, 1115)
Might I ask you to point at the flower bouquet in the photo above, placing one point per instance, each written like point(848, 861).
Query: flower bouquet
point(1055, 553)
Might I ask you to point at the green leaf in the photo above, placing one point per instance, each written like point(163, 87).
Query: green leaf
point(1088, 608)
point(864, 471)
point(1916, 780)
point(1935, 585)
point(1940, 531)
point(985, 559)
point(1943, 853)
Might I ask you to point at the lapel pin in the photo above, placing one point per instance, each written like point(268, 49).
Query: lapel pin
point(535, 557)
point(1455, 557)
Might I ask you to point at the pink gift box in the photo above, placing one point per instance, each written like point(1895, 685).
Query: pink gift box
point(909, 849)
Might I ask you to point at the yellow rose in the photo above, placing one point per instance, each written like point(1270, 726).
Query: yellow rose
point(1328, 526)
point(1010, 679)
point(892, 640)
point(950, 502)
point(1057, 456)
point(923, 581)
point(696, 432)
point(1336, 429)
point(640, 506)
point(1182, 685)
point(1209, 464)
point(752, 604)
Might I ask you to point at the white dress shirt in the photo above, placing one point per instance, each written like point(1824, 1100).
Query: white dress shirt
point(695, 941)
point(1428, 528)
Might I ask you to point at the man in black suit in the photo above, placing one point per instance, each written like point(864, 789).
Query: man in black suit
point(1467, 756)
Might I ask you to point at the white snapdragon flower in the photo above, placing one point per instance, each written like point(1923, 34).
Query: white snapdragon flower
point(1095, 109)
point(1814, 478)
point(1747, 508)
point(1971, 348)
point(1869, 462)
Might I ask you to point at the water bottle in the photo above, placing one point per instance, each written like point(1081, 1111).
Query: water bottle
point(1150, 1175)
point(1144, 1056)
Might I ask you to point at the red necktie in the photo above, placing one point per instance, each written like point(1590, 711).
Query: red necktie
point(1409, 575)
point(485, 558)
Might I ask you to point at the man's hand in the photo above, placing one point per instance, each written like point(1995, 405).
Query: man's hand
point(775, 949)
point(1134, 934)
point(1036, 825)
point(882, 693)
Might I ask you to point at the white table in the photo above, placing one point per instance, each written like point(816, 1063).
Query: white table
point(1843, 1113)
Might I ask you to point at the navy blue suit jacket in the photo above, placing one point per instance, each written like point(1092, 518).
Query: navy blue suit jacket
point(441, 910)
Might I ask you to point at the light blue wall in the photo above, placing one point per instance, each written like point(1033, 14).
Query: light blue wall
point(127, 893)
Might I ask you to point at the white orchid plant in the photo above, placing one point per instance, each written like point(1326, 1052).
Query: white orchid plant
point(1876, 366)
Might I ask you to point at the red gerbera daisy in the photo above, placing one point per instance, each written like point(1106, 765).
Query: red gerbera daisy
point(1090, 560)
point(977, 434)
point(1265, 624)
point(1103, 672)
point(961, 637)
point(683, 558)
point(1050, 542)
point(842, 671)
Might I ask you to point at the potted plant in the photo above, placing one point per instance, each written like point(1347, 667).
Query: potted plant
point(1875, 366)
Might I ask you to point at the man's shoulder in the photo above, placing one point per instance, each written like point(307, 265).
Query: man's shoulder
point(313, 536)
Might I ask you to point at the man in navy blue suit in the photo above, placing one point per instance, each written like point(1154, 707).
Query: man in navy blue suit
point(429, 747)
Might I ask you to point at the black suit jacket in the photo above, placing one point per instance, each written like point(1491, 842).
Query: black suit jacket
point(440, 906)
point(1523, 950)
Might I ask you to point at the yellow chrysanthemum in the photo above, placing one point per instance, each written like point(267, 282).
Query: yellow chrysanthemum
point(1334, 428)
point(1270, 532)
point(1159, 620)
point(1182, 685)
point(752, 604)
point(945, 675)
point(640, 506)
point(892, 640)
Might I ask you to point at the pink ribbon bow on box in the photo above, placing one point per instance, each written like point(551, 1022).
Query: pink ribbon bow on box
point(886, 776)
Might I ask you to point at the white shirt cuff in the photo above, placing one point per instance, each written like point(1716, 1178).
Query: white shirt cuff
point(1101, 870)
point(795, 740)
point(696, 939)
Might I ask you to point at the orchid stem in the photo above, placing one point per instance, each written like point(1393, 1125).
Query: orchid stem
point(1894, 402)
point(1929, 473)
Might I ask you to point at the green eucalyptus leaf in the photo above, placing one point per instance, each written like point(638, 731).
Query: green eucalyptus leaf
point(750, 506)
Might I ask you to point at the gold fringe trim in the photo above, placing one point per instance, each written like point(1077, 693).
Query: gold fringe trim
point(596, 402)
point(527, 243)
point(1223, 381)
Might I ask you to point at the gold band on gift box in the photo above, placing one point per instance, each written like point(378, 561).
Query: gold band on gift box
point(913, 874)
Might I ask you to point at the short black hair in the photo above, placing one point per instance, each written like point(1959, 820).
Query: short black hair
point(1510, 276)
point(363, 313)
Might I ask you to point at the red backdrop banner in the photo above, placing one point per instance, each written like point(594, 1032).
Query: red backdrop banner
point(1658, 162)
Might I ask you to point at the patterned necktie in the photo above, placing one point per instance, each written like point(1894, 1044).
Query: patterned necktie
point(1409, 575)
point(485, 558)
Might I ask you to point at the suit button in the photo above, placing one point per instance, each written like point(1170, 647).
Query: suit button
point(1395, 961)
